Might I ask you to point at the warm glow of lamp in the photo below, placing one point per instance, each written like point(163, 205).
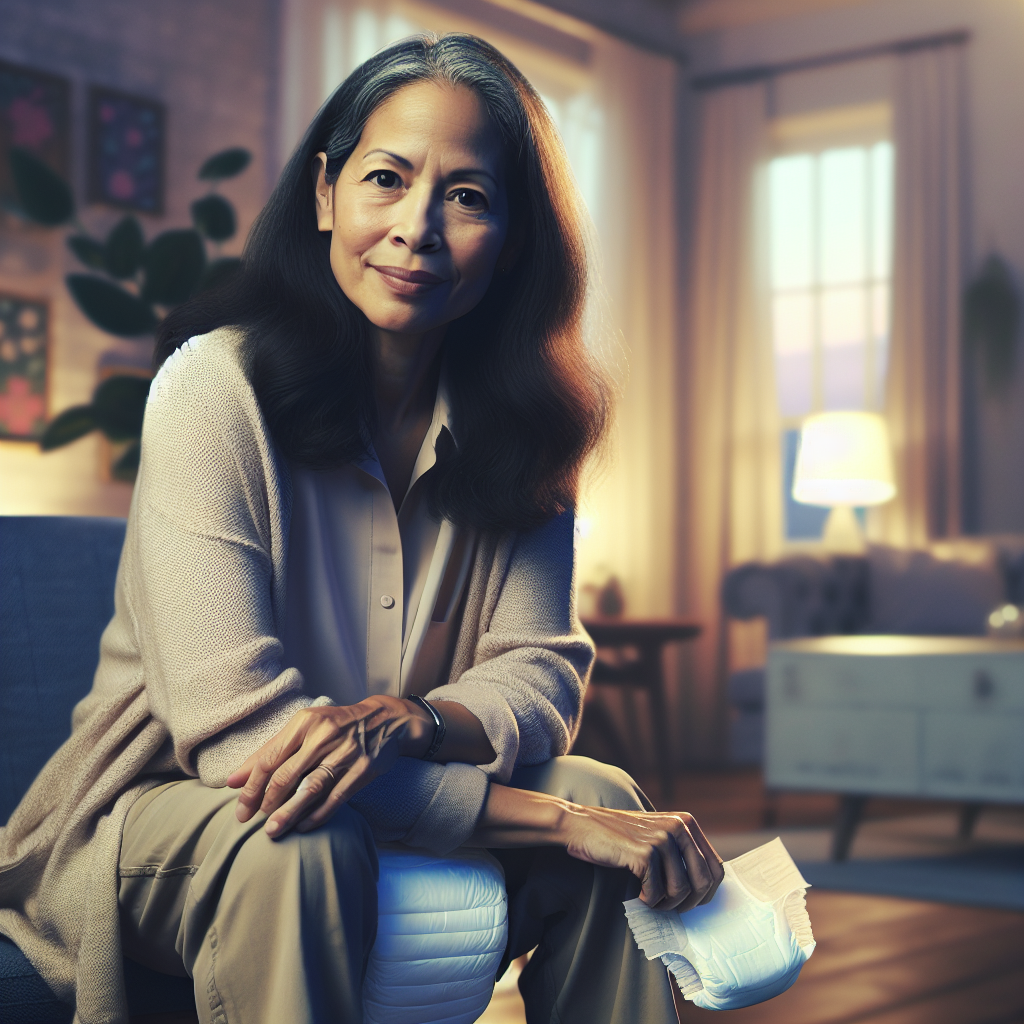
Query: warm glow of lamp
point(844, 462)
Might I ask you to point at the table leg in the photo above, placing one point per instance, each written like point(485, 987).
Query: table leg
point(968, 819)
point(597, 720)
point(659, 719)
point(851, 808)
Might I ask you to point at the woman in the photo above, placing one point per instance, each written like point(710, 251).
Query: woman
point(355, 490)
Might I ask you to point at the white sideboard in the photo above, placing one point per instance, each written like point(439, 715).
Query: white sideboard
point(915, 716)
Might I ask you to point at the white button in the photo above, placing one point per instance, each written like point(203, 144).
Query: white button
point(387, 601)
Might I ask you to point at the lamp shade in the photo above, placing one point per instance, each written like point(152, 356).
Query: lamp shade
point(844, 459)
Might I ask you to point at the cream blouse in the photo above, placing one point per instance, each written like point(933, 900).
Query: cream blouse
point(362, 612)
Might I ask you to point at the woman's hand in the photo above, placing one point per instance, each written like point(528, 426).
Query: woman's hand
point(288, 779)
point(677, 867)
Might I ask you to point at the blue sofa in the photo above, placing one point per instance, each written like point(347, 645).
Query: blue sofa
point(56, 596)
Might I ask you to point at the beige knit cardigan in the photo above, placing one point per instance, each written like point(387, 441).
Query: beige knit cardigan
point(190, 678)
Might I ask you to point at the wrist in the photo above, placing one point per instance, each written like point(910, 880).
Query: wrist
point(419, 733)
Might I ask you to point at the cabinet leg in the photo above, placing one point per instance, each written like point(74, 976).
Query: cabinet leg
point(850, 810)
point(662, 744)
point(968, 819)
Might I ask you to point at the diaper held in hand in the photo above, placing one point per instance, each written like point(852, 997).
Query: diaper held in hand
point(745, 946)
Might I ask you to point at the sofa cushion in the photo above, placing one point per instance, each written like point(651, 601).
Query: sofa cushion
point(948, 590)
point(56, 597)
point(24, 996)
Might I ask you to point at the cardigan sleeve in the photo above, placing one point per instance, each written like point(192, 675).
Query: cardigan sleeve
point(205, 557)
point(204, 530)
point(533, 658)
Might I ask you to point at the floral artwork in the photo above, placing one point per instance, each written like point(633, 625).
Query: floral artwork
point(126, 151)
point(35, 115)
point(23, 334)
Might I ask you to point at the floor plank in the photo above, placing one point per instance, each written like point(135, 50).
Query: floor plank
point(996, 1000)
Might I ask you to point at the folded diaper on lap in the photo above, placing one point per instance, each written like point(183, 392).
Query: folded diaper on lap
point(745, 946)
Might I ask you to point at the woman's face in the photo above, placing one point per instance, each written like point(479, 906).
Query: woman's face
point(419, 215)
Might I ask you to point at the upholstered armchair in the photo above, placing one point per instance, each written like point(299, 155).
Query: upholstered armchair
point(442, 921)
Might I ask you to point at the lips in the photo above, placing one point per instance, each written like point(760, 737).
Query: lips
point(413, 276)
point(408, 282)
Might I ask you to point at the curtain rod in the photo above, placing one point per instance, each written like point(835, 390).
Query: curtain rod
point(757, 73)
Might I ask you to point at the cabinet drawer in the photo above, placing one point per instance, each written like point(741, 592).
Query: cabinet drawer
point(796, 678)
point(842, 750)
point(992, 683)
point(974, 756)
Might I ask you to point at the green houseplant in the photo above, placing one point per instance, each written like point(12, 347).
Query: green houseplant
point(130, 284)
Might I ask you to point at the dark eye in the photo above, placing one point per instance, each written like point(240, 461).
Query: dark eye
point(469, 198)
point(384, 179)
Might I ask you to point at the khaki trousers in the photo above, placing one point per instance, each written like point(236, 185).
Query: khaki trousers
point(282, 931)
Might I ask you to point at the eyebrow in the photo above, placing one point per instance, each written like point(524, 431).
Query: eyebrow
point(394, 156)
point(460, 172)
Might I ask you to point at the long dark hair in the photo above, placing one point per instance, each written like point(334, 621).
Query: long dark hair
point(528, 402)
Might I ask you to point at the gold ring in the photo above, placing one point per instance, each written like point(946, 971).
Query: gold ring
point(330, 771)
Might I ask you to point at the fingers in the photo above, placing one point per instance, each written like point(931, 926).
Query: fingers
point(262, 765)
point(665, 853)
point(711, 858)
point(318, 795)
point(699, 872)
point(314, 750)
point(358, 775)
point(309, 791)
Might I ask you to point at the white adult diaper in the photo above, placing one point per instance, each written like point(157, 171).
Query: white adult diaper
point(442, 924)
point(745, 946)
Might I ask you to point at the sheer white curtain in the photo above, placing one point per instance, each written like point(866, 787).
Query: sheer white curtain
point(614, 110)
point(923, 399)
point(732, 493)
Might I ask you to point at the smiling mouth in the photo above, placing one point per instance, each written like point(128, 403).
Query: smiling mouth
point(408, 282)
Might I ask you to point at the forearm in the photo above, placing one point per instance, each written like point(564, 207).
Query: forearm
point(518, 817)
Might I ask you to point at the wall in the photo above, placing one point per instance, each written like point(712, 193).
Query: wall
point(995, 55)
point(213, 63)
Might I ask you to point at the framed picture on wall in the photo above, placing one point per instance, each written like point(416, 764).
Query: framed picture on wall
point(24, 351)
point(126, 151)
point(35, 114)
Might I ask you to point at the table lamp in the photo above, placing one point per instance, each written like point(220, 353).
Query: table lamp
point(844, 462)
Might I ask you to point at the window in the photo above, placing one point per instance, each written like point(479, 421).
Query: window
point(830, 232)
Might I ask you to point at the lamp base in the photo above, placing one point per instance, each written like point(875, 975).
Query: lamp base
point(842, 534)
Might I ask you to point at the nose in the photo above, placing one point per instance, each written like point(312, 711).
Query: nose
point(418, 225)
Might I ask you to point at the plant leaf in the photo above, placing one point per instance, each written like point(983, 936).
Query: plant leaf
point(225, 164)
point(127, 467)
point(174, 263)
point(219, 272)
point(88, 250)
point(69, 426)
point(110, 307)
point(119, 404)
point(214, 217)
point(123, 250)
point(44, 195)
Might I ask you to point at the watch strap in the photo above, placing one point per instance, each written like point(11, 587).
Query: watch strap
point(439, 727)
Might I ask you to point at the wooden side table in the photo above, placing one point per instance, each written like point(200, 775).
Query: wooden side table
point(912, 716)
point(640, 671)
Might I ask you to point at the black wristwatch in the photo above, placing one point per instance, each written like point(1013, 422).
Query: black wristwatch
point(439, 727)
